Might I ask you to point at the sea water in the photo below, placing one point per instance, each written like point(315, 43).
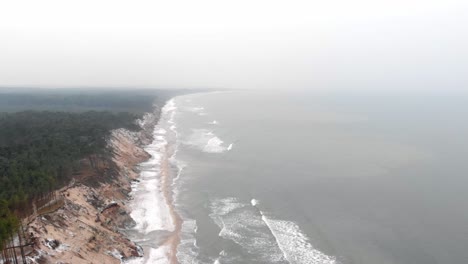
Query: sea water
point(301, 178)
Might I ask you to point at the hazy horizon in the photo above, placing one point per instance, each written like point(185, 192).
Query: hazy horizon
point(271, 45)
point(266, 132)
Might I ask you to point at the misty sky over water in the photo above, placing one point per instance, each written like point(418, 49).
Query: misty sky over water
point(379, 45)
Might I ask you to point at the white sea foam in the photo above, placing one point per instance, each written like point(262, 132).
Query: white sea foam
point(196, 109)
point(149, 206)
point(207, 141)
point(293, 242)
point(150, 210)
point(171, 116)
point(254, 202)
point(230, 147)
point(214, 145)
point(214, 122)
point(180, 168)
point(170, 106)
point(243, 225)
point(225, 206)
point(273, 240)
point(161, 131)
point(187, 250)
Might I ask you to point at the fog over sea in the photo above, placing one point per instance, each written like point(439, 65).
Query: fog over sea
point(301, 178)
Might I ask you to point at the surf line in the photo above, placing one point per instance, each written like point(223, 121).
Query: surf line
point(254, 203)
point(172, 242)
point(166, 178)
point(167, 184)
point(309, 254)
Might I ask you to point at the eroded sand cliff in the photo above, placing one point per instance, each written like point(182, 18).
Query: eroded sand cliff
point(88, 227)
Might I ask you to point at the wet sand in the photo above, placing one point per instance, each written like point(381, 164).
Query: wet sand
point(167, 177)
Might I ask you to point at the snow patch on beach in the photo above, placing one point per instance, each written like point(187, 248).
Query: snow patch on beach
point(155, 256)
point(146, 119)
point(158, 255)
point(150, 209)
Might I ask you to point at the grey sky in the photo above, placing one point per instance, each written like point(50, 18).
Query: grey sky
point(361, 44)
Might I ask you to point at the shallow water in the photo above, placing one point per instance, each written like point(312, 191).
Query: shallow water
point(296, 178)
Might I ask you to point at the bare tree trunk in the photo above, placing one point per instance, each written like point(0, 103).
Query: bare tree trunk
point(21, 243)
point(14, 249)
point(3, 255)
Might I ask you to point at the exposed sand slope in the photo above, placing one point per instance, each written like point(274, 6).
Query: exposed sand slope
point(86, 228)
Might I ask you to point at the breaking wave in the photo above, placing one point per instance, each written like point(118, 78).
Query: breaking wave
point(267, 239)
point(150, 206)
point(150, 210)
point(206, 141)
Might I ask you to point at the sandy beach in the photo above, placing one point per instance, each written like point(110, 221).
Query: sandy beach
point(174, 239)
point(158, 225)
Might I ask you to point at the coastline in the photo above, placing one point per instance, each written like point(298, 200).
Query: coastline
point(158, 225)
point(174, 239)
point(88, 227)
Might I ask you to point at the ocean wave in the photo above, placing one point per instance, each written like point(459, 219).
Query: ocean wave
point(214, 145)
point(169, 106)
point(207, 141)
point(187, 251)
point(254, 202)
point(199, 110)
point(161, 131)
point(266, 238)
point(242, 224)
point(168, 113)
point(293, 242)
point(150, 208)
point(196, 109)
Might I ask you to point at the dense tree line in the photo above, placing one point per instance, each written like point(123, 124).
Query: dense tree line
point(40, 150)
point(118, 102)
point(8, 223)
